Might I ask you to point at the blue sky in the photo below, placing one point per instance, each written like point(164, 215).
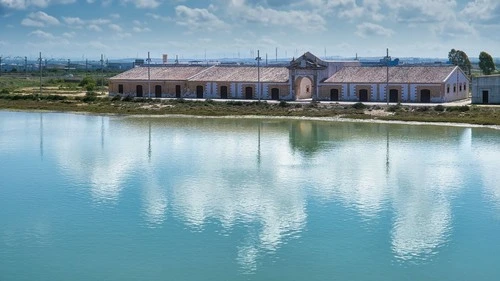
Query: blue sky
point(232, 28)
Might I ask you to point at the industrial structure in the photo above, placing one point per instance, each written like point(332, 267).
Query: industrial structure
point(307, 77)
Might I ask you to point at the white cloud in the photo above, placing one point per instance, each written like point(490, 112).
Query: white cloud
point(198, 19)
point(39, 19)
point(454, 29)
point(158, 17)
point(31, 22)
point(367, 29)
point(114, 16)
point(122, 35)
point(141, 29)
point(482, 10)
point(140, 26)
point(73, 20)
point(143, 3)
point(94, 27)
point(99, 21)
point(42, 34)
point(23, 4)
point(115, 27)
point(301, 19)
point(423, 11)
point(98, 45)
point(69, 34)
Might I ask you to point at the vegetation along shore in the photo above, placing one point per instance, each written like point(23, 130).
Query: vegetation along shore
point(86, 96)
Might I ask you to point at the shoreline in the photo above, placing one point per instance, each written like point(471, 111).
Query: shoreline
point(337, 118)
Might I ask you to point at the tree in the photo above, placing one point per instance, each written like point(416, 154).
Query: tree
point(486, 63)
point(461, 59)
point(88, 83)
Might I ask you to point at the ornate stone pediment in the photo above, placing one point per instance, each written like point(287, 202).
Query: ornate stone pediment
point(308, 61)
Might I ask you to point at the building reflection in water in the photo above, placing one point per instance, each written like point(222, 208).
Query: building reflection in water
point(41, 136)
point(489, 169)
point(362, 166)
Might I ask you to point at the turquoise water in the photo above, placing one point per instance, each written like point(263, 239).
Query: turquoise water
point(120, 198)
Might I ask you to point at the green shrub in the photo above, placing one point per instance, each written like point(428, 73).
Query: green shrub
point(86, 80)
point(116, 98)
point(56, 97)
point(394, 108)
point(139, 100)
point(422, 109)
point(462, 108)
point(236, 103)
point(439, 108)
point(90, 97)
point(359, 105)
point(88, 83)
point(283, 104)
point(128, 98)
point(4, 92)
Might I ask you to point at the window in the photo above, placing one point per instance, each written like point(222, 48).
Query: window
point(454, 88)
point(120, 88)
point(448, 89)
point(460, 88)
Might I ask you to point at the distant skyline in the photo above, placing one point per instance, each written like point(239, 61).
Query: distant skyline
point(238, 28)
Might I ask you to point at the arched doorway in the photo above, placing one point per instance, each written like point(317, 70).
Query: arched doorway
point(248, 93)
point(425, 96)
point(138, 91)
point(177, 91)
point(303, 88)
point(363, 95)
point(393, 95)
point(158, 91)
point(275, 93)
point(199, 92)
point(334, 94)
point(223, 92)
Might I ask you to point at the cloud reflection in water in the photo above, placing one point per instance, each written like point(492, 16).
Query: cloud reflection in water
point(344, 163)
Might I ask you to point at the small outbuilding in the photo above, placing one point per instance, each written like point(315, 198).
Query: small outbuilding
point(486, 89)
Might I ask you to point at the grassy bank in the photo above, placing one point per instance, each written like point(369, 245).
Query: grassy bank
point(104, 105)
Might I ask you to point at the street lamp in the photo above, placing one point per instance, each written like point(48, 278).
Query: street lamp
point(387, 77)
point(258, 59)
point(149, 77)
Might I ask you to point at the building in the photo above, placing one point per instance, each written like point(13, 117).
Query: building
point(486, 89)
point(306, 77)
point(420, 84)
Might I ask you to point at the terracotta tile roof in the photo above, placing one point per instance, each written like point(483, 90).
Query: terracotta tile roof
point(209, 74)
point(170, 73)
point(397, 74)
point(242, 74)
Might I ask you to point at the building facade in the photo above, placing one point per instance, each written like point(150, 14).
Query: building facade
point(486, 89)
point(306, 77)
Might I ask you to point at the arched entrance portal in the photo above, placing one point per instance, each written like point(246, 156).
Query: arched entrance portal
point(138, 91)
point(158, 91)
point(425, 96)
point(303, 88)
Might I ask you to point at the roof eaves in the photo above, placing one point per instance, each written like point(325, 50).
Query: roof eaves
point(451, 73)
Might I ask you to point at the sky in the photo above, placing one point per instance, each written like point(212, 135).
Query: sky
point(238, 28)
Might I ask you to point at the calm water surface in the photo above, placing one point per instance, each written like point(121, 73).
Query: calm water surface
point(120, 198)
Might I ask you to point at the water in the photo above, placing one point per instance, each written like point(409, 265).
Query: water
point(119, 198)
